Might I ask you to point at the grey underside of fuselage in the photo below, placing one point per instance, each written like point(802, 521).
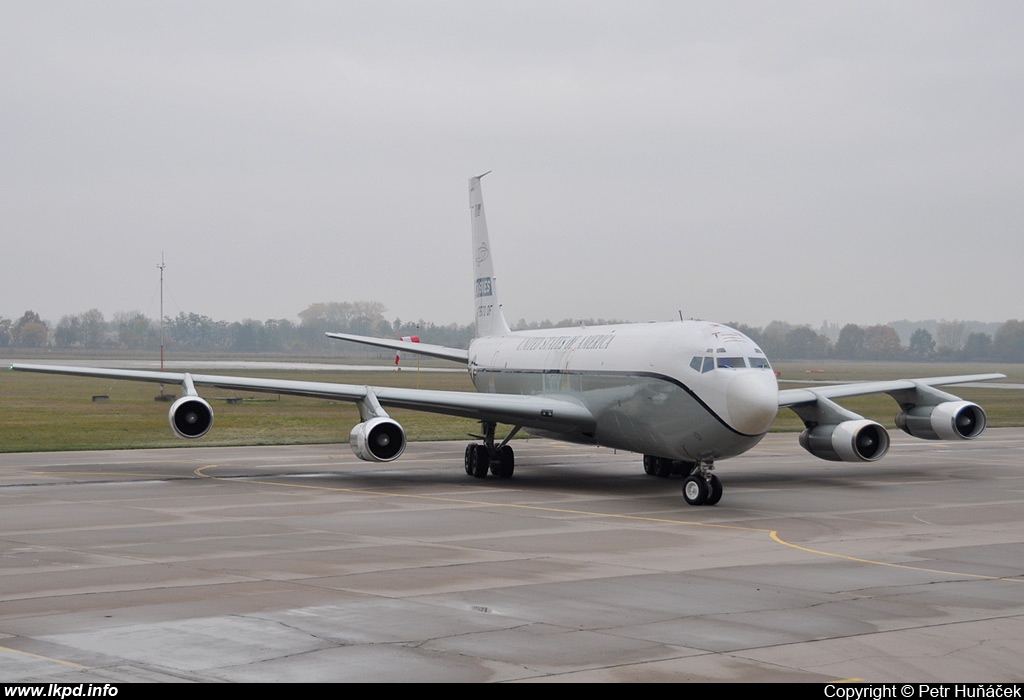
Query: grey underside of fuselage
point(641, 413)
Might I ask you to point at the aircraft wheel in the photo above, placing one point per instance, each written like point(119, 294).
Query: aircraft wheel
point(660, 467)
point(664, 468)
point(715, 491)
point(470, 448)
point(480, 461)
point(695, 490)
point(506, 463)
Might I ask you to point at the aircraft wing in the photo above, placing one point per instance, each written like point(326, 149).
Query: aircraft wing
point(442, 351)
point(528, 411)
point(795, 397)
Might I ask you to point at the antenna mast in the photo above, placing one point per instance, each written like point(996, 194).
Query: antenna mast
point(161, 266)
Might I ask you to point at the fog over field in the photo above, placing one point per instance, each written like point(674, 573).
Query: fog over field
point(737, 161)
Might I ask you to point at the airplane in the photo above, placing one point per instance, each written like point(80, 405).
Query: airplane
point(684, 394)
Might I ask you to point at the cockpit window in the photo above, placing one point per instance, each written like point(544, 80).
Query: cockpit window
point(706, 364)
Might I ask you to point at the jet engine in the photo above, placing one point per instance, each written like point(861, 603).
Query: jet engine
point(950, 420)
point(378, 440)
point(191, 417)
point(850, 441)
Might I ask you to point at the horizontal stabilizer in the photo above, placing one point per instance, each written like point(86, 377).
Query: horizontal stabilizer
point(441, 351)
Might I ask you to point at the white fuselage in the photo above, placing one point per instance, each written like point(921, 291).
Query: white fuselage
point(687, 390)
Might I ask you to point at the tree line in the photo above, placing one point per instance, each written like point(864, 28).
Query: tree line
point(132, 330)
point(950, 343)
point(193, 332)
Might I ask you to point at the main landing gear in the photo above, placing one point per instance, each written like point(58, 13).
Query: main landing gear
point(663, 467)
point(498, 459)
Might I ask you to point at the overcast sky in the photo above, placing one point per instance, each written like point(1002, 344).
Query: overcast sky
point(738, 161)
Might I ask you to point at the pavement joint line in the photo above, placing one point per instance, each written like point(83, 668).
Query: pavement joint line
point(773, 534)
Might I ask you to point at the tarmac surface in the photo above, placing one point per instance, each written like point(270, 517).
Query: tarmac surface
point(306, 564)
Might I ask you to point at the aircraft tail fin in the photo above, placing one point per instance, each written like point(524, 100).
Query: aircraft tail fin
point(490, 320)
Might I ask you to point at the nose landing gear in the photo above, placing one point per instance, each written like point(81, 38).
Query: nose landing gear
point(701, 487)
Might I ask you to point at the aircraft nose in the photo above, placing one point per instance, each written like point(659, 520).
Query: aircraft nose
point(753, 401)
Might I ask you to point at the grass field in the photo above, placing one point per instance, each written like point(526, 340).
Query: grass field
point(47, 412)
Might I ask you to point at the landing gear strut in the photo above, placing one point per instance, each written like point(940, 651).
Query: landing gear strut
point(498, 459)
point(701, 487)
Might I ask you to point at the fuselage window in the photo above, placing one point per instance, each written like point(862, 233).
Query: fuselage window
point(731, 362)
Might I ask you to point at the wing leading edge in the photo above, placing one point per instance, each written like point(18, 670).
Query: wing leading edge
point(837, 434)
point(528, 411)
point(793, 397)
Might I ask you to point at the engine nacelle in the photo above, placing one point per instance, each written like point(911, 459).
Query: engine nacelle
point(951, 420)
point(191, 417)
point(378, 440)
point(850, 441)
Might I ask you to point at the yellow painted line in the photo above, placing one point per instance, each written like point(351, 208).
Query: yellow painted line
point(859, 560)
point(148, 475)
point(474, 502)
point(42, 658)
point(773, 534)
